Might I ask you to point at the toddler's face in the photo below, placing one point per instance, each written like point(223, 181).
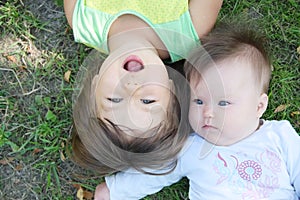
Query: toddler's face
point(226, 103)
point(133, 90)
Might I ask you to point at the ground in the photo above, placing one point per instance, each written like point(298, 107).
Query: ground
point(31, 81)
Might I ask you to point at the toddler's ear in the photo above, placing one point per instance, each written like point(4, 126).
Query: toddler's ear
point(262, 104)
point(172, 86)
point(94, 83)
point(93, 93)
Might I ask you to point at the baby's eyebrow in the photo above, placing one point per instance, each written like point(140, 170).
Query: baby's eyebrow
point(222, 98)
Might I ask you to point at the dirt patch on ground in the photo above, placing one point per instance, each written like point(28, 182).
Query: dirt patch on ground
point(21, 174)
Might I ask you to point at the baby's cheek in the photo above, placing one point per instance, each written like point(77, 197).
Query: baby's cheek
point(194, 119)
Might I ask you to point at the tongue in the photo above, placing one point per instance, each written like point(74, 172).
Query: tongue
point(133, 66)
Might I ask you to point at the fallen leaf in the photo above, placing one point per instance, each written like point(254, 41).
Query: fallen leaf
point(62, 156)
point(12, 59)
point(280, 108)
point(6, 161)
point(36, 151)
point(19, 167)
point(82, 193)
point(298, 50)
point(88, 195)
point(67, 76)
point(79, 193)
point(22, 67)
point(77, 186)
point(295, 113)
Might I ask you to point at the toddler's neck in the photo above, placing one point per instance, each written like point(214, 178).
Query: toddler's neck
point(131, 31)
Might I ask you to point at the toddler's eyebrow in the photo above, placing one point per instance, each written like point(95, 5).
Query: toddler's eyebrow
point(106, 106)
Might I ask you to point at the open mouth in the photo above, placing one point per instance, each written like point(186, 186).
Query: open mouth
point(133, 64)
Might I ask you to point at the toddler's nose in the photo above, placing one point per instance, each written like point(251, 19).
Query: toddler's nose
point(133, 66)
point(132, 86)
point(130, 81)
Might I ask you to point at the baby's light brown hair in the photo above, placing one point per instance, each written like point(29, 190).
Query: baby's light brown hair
point(237, 38)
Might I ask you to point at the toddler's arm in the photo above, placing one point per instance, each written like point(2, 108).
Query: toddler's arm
point(204, 14)
point(102, 192)
point(69, 6)
point(132, 185)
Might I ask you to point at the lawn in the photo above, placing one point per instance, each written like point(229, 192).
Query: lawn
point(39, 61)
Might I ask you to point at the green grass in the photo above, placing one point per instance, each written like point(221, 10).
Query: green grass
point(36, 101)
point(35, 104)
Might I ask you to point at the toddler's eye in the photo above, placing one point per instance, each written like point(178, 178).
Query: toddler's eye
point(223, 103)
point(115, 100)
point(198, 101)
point(147, 101)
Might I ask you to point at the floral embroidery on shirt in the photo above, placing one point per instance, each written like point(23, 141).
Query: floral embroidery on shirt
point(249, 169)
point(247, 175)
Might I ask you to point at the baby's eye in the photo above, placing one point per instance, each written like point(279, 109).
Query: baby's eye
point(223, 103)
point(147, 101)
point(115, 100)
point(198, 101)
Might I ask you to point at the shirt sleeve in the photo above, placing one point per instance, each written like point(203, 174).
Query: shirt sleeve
point(132, 185)
point(291, 147)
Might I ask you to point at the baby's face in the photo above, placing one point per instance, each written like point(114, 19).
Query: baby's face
point(133, 90)
point(226, 103)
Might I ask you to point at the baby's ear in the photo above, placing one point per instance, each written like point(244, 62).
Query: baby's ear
point(262, 104)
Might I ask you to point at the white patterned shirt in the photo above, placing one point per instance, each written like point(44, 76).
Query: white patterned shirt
point(265, 165)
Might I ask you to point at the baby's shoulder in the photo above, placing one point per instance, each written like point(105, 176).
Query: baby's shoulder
point(192, 144)
point(279, 130)
point(277, 126)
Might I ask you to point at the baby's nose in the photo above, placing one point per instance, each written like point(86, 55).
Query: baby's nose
point(133, 66)
point(208, 111)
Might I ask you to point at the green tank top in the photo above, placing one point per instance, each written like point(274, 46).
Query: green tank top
point(93, 18)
